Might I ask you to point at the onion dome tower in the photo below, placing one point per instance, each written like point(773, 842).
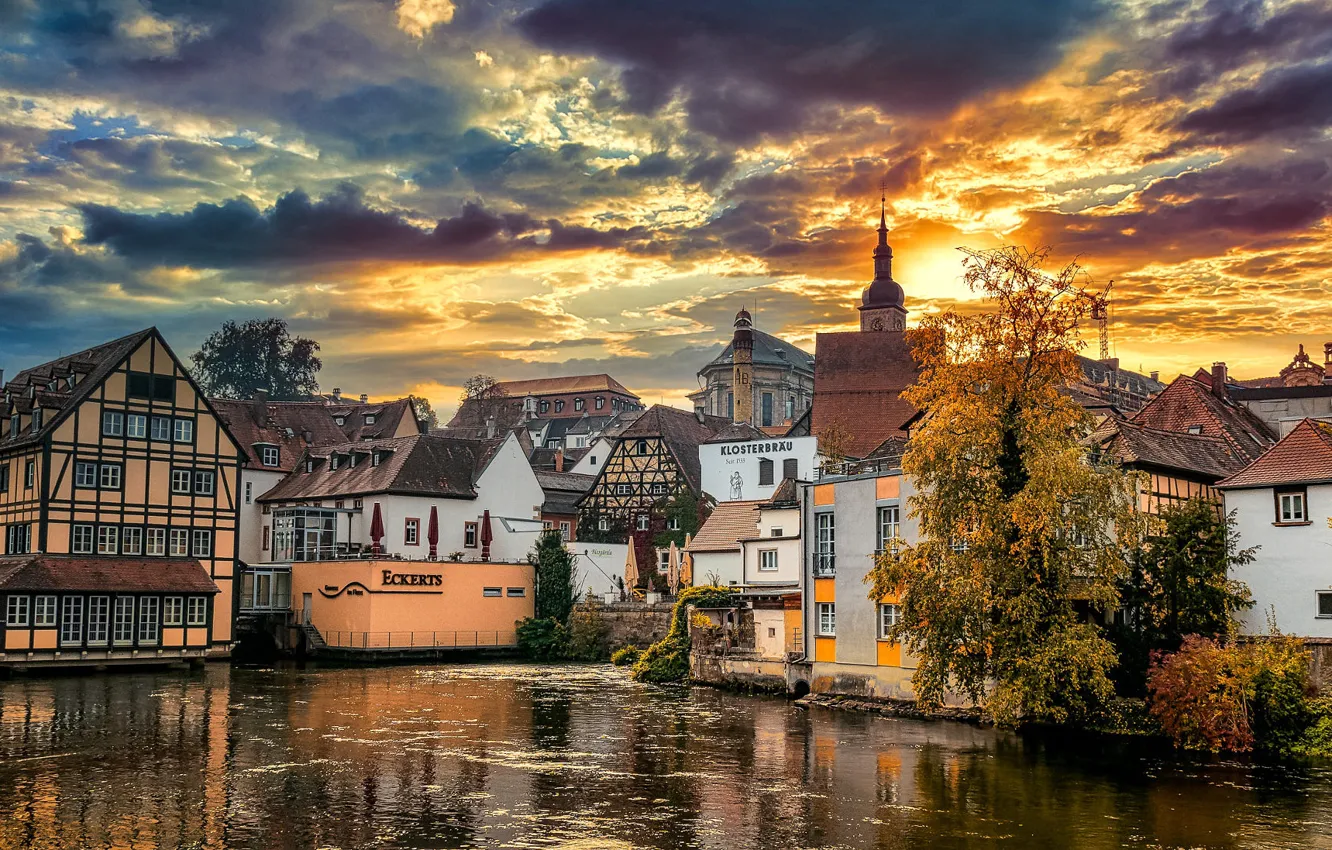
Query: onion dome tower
point(882, 303)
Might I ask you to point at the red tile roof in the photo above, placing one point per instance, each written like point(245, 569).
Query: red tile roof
point(565, 384)
point(1207, 457)
point(1304, 456)
point(311, 423)
point(682, 432)
point(729, 523)
point(37, 573)
point(858, 381)
point(1187, 403)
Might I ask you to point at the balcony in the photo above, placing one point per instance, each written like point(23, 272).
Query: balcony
point(825, 564)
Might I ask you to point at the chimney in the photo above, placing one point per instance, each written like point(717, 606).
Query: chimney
point(259, 401)
point(364, 398)
point(337, 393)
point(1156, 376)
point(490, 427)
point(1111, 363)
point(308, 436)
point(1219, 379)
point(559, 459)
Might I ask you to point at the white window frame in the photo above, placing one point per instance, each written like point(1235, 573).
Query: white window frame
point(270, 455)
point(18, 611)
point(44, 609)
point(131, 540)
point(149, 631)
point(889, 528)
point(173, 611)
point(181, 481)
point(825, 544)
point(85, 475)
point(890, 614)
point(99, 620)
point(492, 592)
point(411, 532)
point(183, 431)
point(155, 541)
point(249, 492)
point(112, 476)
point(82, 538)
point(767, 560)
point(196, 611)
point(108, 540)
point(178, 543)
point(161, 429)
point(825, 614)
point(201, 542)
point(1292, 507)
point(1318, 604)
point(122, 621)
point(205, 482)
point(136, 426)
point(71, 621)
point(113, 423)
point(644, 522)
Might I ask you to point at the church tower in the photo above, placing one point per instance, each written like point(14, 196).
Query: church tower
point(742, 378)
point(881, 304)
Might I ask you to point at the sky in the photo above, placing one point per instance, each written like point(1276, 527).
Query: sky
point(433, 189)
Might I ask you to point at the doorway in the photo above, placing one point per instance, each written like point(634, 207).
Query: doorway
point(307, 602)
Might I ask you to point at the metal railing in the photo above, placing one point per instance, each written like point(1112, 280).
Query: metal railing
point(825, 564)
point(421, 640)
point(278, 603)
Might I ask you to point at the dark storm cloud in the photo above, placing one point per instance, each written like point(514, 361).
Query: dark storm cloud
point(339, 227)
point(1288, 100)
point(747, 67)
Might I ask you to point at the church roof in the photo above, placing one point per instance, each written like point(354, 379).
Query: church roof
point(768, 351)
point(858, 381)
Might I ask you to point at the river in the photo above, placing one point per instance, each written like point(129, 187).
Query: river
point(580, 757)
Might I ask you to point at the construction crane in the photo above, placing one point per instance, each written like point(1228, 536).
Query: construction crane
point(1100, 301)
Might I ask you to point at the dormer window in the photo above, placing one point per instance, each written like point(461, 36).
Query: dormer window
point(269, 455)
point(601, 402)
point(15, 423)
point(341, 420)
point(559, 405)
point(333, 463)
point(36, 419)
point(309, 465)
point(578, 404)
point(69, 381)
point(369, 419)
point(1195, 429)
point(374, 458)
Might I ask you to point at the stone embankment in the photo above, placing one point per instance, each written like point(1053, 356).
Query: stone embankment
point(632, 623)
point(894, 708)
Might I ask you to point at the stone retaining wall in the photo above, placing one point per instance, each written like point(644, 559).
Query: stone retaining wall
point(632, 623)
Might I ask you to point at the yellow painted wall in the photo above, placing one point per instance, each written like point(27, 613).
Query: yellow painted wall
point(823, 494)
point(44, 639)
point(18, 639)
point(888, 487)
point(173, 636)
point(825, 649)
point(825, 590)
point(890, 654)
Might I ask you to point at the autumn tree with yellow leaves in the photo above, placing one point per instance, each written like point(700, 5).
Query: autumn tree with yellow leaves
point(1018, 540)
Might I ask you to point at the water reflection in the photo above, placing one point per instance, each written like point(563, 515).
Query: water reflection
point(539, 757)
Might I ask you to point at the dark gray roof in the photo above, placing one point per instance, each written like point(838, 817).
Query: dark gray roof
point(768, 351)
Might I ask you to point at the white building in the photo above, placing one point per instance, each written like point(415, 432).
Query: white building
point(751, 469)
point(1283, 506)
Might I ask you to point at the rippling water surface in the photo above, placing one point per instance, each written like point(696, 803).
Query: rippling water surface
point(579, 757)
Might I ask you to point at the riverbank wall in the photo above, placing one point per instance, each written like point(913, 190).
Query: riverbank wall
point(631, 623)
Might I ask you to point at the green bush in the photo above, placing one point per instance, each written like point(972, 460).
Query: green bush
point(1279, 706)
point(589, 635)
point(626, 656)
point(1317, 739)
point(667, 660)
point(543, 639)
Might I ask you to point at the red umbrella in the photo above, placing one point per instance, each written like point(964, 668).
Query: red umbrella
point(376, 530)
point(432, 533)
point(486, 536)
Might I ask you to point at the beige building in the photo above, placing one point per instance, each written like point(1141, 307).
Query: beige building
point(118, 488)
point(781, 380)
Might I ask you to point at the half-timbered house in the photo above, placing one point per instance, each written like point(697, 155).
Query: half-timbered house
point(119, 511)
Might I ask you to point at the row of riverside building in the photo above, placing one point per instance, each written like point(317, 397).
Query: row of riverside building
point(145, 523)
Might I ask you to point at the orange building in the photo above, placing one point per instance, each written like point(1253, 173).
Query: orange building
point(118, 505)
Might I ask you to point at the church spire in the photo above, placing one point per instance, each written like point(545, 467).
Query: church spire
point(883, 214)
point(882, 303)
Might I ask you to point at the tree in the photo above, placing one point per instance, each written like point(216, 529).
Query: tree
point(834, 441)
point(425, 414)
point(260, 354)
point(1016, 523)
point(483, 400)
point(556, 579)
point(1179, 584)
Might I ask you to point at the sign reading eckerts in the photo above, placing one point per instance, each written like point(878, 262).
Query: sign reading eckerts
point(414, 579)
point(752, 469)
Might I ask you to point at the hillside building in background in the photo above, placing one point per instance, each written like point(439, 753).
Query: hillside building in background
point(780, 377)
point(118, 504)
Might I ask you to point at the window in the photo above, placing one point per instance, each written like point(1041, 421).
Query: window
point(122, 621)
point(268, 455)
point(180, 543)
point(673, 524)
point(603, 524)
point(888, 617)
point(545, 406)
point(108, 539)
point(30, 474)
point(184, 432)
point(264, 545)
point(644, 522)
point(369, 419)
point(136, 426)
point(1324, 603)
point(827, 613)
point(17, 538)
point(156, 387)
point(36, 420)
point(339, 420)
point(517, 591)
point(173, 611)
point(469, 535)
point(660, 489)
point(203, 482)
point(148, 622)
point(44, 610)
point(249, 492)
point(203, 542)
point(112, 474)
point(374, 458)
point(565, 528)
point(197, 614)
point(765, 406)
point(825, 544)
point(790, 468)
point(960, 544)
point(71, 620)
point(1290, 507)
point(16, 612)
point(98, 609)
point(600, 402)
point(767, 560)
point(889, 529)
point(81, 542)
point(85, 474)
point(592, 459)
point(765, 472)
point(790, 408)
point(161, 428)
point(559, 405)
point(623, 489)
point(4, 478)
point(156, 541)
point(411, 532)
point(131, 540)
point(776, 531)
point(181, 479)
point(113, 423)
point(492, 591)
point(641, 447)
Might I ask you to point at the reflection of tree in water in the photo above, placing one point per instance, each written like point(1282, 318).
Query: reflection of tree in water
point(550, 717)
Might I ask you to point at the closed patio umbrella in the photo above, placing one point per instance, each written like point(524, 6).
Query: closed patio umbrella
point(486, 536)
point(376, 530)
point(673, 569)
point(686, 565)
point(630, 572)
point(432, 532)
